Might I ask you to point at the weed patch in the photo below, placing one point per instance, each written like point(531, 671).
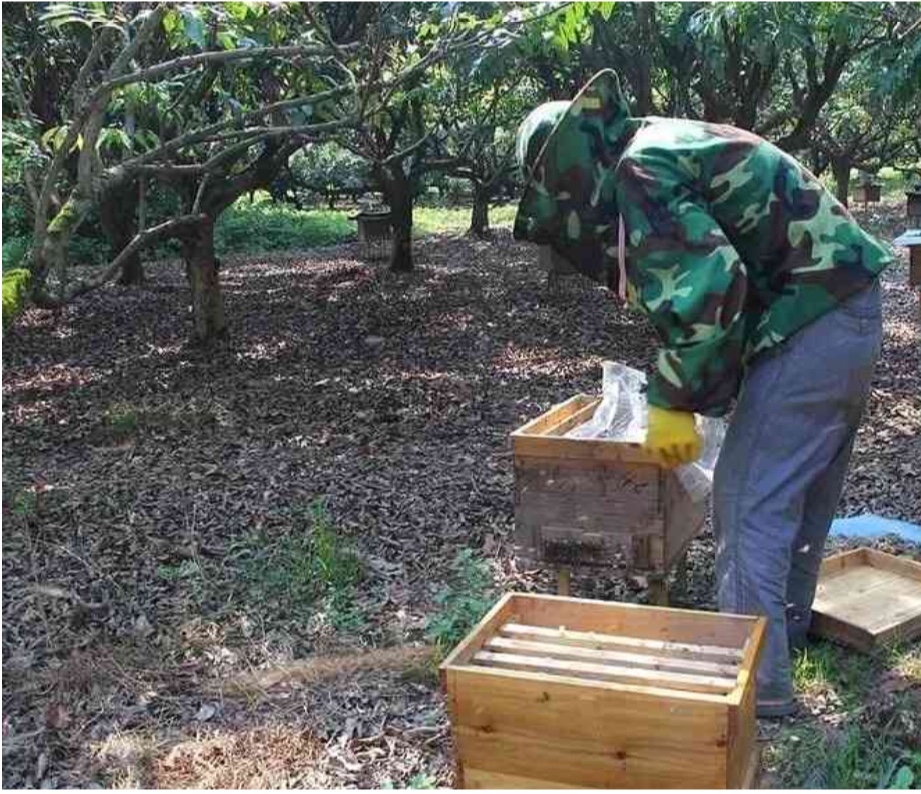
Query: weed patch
point(855, 756)
point(824, 668)
point(15, 290)
point(466, 598)
point(310, 565)
point(266, 226)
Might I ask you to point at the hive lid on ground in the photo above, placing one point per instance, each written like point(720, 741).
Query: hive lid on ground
point(866, 598)
point(909, 239)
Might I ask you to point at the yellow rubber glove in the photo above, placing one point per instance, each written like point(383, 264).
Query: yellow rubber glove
point(672, 436)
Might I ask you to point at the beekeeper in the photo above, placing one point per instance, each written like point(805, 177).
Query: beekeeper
point(762, 289)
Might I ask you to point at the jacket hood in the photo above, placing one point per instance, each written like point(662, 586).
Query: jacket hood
point(569, 201)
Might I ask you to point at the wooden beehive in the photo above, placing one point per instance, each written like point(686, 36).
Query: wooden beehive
point(595, 502)
point(867, 193)
point(913, 205)
point(912, 241)
point(551, 692)
point(374, 230)
point(867, 598)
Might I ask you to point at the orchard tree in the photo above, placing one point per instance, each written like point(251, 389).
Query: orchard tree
point(486, 99)
point(771, 68)
point(231, 91)
point(403, 125)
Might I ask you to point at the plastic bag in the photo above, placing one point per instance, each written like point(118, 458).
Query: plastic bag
point(623, 415)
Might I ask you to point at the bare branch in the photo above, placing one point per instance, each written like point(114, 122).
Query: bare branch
point(153, 73)
point(209, 132)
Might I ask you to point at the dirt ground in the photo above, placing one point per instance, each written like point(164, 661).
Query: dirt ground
point(137, 471)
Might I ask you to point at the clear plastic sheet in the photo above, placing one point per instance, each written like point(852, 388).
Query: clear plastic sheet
point(623, 415)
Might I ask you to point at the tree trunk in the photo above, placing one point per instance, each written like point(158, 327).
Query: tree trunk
point(400, 198)
point(479, 217)
point(208, 323)
point(118, 217)
point(841, 171)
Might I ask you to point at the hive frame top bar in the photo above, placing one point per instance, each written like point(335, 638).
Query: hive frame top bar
point(742, 647)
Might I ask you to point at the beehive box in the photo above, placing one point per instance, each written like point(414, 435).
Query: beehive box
point(596, 502)
point(551, 692)
point(867, 598)
point(866, 193)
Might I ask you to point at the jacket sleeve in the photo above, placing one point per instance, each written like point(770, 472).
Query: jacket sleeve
point(688, 278)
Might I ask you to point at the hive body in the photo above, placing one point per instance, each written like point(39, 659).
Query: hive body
point(551, 692)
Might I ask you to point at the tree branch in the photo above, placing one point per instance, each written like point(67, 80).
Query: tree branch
point(141, 240)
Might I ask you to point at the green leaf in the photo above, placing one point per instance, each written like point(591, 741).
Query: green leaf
point(194, 26)
point(227, 40)
point(238, 11)
point(903, 779)
point(171, 20)
point(49, 134)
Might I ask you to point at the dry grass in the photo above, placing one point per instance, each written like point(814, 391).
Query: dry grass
point(311, 671)
point(276, 756)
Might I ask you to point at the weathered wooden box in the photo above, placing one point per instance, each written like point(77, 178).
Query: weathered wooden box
point(913, 205)
point(912, 241)
point(596, 502)
point(551, 692)
point(867, 598)
point(867, 192)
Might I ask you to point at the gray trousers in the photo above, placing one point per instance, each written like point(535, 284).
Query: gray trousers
point(781, 471)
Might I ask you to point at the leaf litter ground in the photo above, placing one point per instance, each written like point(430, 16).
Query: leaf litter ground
point(142, 477)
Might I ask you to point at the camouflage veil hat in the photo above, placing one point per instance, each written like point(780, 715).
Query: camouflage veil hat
point(569, 151)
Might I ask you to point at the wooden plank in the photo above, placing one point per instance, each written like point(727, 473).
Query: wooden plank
point(595, 737)
point(682, 650)
point(752, 774)
point(742, 731)
point(751, 656)
point(580, 417)
point(656, 678)
point(481, 778)
point(564, 651)
point(841, 631)
point(582, 449)
point(910, 569)
point(634, 620)
point(838, 563)
point(555, 415)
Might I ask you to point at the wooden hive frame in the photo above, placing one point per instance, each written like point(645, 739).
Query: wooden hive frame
point(550, 692)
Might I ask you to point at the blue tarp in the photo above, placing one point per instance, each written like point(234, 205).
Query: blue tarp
point(871, 526)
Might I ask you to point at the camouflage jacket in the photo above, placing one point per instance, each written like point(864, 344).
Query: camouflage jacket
point(732, 245)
